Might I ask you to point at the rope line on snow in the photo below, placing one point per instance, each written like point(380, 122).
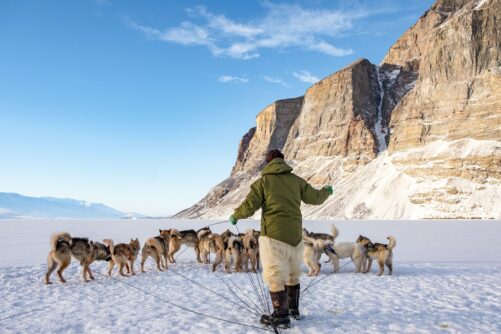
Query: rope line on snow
point(206, 288)
point(185, 308)
point(319, 279)
point(260, 294)
point(255, 309)
point(255, 312)
point(245, 294)
point(221, 222)
point(256, 290)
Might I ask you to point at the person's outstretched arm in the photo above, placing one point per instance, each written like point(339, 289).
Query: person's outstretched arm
point(252, 203)
point(310, 195)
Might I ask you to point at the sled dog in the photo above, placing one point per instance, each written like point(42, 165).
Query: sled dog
point(211, 243)
point(322, 236)
point(158, 248)
point(205, 245)
point(250, 251)
point(59, 255)
point(64, 247)
point(381, 252)
point(226, 236)
point(313, 249)
point(124, 255)
point(344, 250)
point(234, 254)
point(179, 238)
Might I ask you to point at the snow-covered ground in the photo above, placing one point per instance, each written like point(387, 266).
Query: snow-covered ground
point(447, 279)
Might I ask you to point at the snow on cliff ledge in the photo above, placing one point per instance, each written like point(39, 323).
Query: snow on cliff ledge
point(416, 184)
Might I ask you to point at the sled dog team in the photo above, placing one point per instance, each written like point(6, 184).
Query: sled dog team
point(362, 252)
point(238, 251)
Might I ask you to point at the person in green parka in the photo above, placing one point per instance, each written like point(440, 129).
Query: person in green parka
point(279, 193)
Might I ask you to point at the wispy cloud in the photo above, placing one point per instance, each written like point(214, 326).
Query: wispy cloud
point(306, 76)
point(277, 81)
point(230, 78)
point(282, 26)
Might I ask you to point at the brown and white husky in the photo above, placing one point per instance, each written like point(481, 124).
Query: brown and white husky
point(381, 252)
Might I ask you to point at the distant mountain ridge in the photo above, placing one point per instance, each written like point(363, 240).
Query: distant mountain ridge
point(13, 205)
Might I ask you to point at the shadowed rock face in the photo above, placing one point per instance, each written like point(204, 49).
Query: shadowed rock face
point(338, 116)
point(273, 126)
point(425, 123)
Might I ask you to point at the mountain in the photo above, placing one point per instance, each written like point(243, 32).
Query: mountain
point(417, 136)
point(18, 206)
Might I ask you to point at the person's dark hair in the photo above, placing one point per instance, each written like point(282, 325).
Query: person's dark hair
point(272, 154)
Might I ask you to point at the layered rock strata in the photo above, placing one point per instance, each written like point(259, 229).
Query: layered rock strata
point(417, 136)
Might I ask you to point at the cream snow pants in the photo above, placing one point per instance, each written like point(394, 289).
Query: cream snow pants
point(281, 263)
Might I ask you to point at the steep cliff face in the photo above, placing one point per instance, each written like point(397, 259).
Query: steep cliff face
point(458, 91)
point(417, 136)
point(273, 126)
point(337, 117)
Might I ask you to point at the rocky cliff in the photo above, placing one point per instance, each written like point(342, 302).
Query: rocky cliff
point(417, 136)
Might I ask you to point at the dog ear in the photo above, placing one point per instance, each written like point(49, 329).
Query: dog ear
point(160, 231)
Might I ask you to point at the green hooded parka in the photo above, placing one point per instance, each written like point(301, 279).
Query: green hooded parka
point(279, 193)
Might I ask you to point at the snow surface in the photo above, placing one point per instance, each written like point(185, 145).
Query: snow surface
point(480, 4)
point(446, 280)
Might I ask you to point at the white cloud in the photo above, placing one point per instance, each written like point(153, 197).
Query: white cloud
point(330, 49)
point(277, 81)
point(282, 26)
point(306, 76)
point(230, 78)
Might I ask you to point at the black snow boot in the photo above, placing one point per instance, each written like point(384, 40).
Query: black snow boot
point(293, 297)
point(280, 316)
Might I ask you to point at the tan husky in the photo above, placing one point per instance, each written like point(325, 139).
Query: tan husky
point(59, 255)
point(179, 238)
point(124, 255)
point(158, 248)
point(250, 251)
point(81, 249)
point(211, 243)
point(234, 254)
point(381, 252)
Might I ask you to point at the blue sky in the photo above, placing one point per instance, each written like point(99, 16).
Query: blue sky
point(141, 104)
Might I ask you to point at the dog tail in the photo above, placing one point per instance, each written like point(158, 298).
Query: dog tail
point(175, 234)
point(392, 243)
point(249, 231)
point(204, 233)
point(109, 243)
point(58, 237)
point(235, 243)
point(334, 232)
point(307, 239)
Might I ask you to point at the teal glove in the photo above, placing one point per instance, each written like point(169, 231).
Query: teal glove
point(233, 220)
point(329, 189)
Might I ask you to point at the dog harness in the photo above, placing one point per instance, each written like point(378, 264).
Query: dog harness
point(330, 249)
